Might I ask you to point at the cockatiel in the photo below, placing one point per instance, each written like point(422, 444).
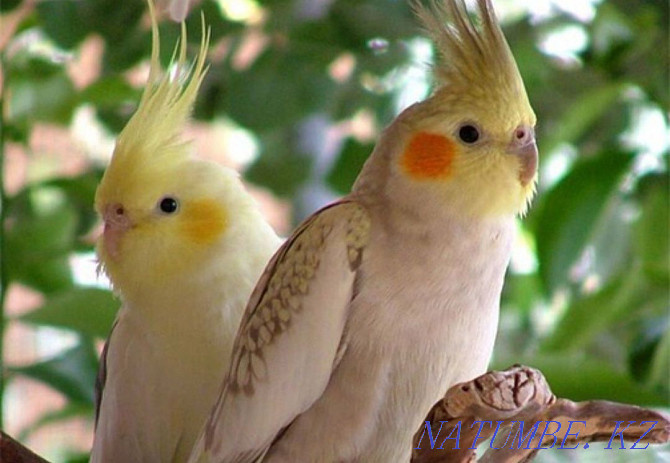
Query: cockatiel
point(183, 245)
point(379, 302)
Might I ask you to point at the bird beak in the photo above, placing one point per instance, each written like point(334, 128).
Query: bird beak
point(525, 148)
point(117, 223)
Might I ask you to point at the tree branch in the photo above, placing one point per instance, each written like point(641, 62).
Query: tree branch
point(518, 404)
point(12, 451)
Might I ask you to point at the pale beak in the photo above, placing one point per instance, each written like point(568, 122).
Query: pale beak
point(117, 223)
point(525, 148)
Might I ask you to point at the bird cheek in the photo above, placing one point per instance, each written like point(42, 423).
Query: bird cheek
point(428, 156)
point(203, 221)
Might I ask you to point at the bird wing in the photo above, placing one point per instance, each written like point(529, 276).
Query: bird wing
point(102, 374)
point(290, 336)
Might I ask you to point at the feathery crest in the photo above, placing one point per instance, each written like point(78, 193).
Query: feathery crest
point(165, 105)
point(474, 58)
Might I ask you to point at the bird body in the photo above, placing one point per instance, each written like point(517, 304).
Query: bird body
point(380, 302)
point(428, 332)
point(163, 357)
point(183, 245)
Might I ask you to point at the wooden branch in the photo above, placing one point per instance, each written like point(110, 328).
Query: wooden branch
point(517, 408)
point(12, 451)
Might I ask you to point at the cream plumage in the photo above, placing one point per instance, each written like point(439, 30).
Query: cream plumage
point(183, 245)
point(380, 302)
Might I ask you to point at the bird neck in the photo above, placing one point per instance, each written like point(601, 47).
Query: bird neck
point(216, 291)
point(176, 300)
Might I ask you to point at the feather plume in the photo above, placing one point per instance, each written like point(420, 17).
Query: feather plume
point(474, 57)
point(155, 128)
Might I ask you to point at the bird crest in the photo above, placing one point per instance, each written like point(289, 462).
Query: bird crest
point(165, 106)
point(473, 55)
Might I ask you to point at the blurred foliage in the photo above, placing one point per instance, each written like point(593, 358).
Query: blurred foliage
point(591, 307)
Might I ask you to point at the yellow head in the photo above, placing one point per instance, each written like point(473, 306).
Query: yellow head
point(162, 210)
point(473, 140)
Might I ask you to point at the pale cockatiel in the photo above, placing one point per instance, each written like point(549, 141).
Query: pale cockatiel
point(183, 245)
point(381, 301)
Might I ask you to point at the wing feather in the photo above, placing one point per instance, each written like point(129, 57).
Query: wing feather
point(101, 378)
point(290, 335)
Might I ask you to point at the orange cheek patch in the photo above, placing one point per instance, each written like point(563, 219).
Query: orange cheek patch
point(428, 156)
point(203, 220)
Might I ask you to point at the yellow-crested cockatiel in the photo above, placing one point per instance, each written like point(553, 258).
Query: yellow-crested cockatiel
point(379, 302)
point(183, 244)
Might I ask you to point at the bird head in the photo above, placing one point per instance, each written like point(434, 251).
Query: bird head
point(472, 142)
point(162, 209)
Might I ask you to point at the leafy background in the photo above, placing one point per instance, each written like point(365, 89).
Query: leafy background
point(299, 89)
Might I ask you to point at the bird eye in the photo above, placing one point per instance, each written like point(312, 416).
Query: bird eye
point(468, 133)
point(168, 205)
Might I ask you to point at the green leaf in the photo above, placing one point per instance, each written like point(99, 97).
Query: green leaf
point(62, 20)
point(109, 92)
point(358, 22)
point(40, 239)
point(8, 5)
point(80, 190)
point(40, 91)
point(592, 314)
point(610, 247)
point(348, 165)
point(319, 37)
point(273, 3)
point(659, 372)
point(280, 166)
point(611, 32)
point(80, 194)
point(651, 229)
point(535, 66)
point(115, 119)
point(578, 377)
point(89, 311)
point(71, 373)
point(48, 273)
point(522, 291)
point(646, 351)
point(127, 41)
point(218, 25)
point(112, 19)
point(280, 88)
point(77, 458)
point(569, 213)
point(128, 48)
point(582, 113)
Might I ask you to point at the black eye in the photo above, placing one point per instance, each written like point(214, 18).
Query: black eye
point(168, 205)
point(468, 133)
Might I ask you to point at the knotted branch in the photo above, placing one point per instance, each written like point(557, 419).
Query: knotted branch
point(517, 409)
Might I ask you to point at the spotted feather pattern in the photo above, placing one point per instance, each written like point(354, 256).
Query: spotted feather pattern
point(290, 273)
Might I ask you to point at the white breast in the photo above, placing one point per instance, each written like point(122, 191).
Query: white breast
point(431, 312)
